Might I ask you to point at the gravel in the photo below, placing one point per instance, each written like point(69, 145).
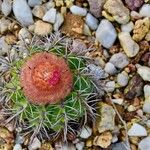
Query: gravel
point(22, 12)
point(76, 10)
point(6, 7)
point(110, 68)
point(144, 11)
point(127, 27)
point(106, 33)
point(91, 21)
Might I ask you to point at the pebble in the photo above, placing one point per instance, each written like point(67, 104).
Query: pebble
point(110, 86)
point(91, 21)
point(50, 16)
point(42, 28)
point(49, 5)
point(137, 130)
point(145, 10)
point(146, 106)
point(120, 146)
point(24, 34)
point(104, 140)
point(17, 147)
point(76, 10)
point(0, 5)
point(36, 144)
point(38, 11)
point(130, 47)
point(80, 146)
point(4, 25)
point(110, 68)
point(118, 11)
point(106, 33)
point(22, 12)
point(86, 30)
point(118, 101)
point(106, 121)
point(144, 72)
point(6, 7)
point(85, 132)
point(144, 144)
point(135, 15)
point(59, 21)
point(119, 60)
point(127, 27)
point(64, 146)
point(33, 3)
point(122, 79)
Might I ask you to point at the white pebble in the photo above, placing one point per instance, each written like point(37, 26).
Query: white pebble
point(122, 79)
point(144, 144)
point(36, 144)
point(76, 10)
point(91, 21)
point(80, 146)
point(6, 7)
point(110, 68)
point(50, 16)
point(17, 147)
point(145, 10)
point(118, 101)
point(137, 130)
point(86, 132)
point(59, 21)
point(110, 86)
point(127, 27)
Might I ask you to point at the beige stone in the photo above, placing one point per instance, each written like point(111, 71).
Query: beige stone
point(42, 28)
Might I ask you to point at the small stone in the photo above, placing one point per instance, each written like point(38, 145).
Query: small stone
point(141, 28)
point(80, 146)
point(86, 132)
point(122, 79)
point(86, 30)
point(24, 34)
point(119, 60)
point(50, 16)
point(144, 72)
point(91, 21)
point(96, 71)
point(144, 144)
point(64, 146)
point(148, 123)
point(118, 11)
point(33, 3)
point(110, 86)
point(134, 88)
point(59, 21)
point(127, 27)
point(4, 25)
point(17, 147)
point(59, 3)
point(42, 28)
point(96, 7)
point(38, 11)
point(46, 146)
point(118, 101)
point(22, 12)
point(130, 47)
point(137, 130)
point(110, 68)
point(147, 37)
point(135, 15)
point(104, 140)
point(6, 7)
point(36, 144)
point(49, 5)
point(76, 10)
point(146, 106)
point(73, 25)
point(120, 146)
point(144, 11)
point(134, 4)
point(106, 33)
point(106, 121)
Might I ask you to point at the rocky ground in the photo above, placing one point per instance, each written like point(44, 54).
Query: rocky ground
point(116, 34)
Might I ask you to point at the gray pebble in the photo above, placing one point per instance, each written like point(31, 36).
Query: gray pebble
point(24, 34)
point(36, 144)
point(22, 12)
point(91, 21)
point(17, 147)
point(33, 3)
point(50, 16)
point(144, 144)
point(59, 21)
point(127, 27)
point(80, 146)
point(76, 10)
point(119, 60)
point(122, 79)
point(110, 86)
point(110, 68)
point(106, 33)
point(145, 10)
point(6, 7)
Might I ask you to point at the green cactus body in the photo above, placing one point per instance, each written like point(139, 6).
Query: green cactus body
point(51, 117)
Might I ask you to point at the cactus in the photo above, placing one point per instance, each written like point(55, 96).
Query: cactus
point(48, 90)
